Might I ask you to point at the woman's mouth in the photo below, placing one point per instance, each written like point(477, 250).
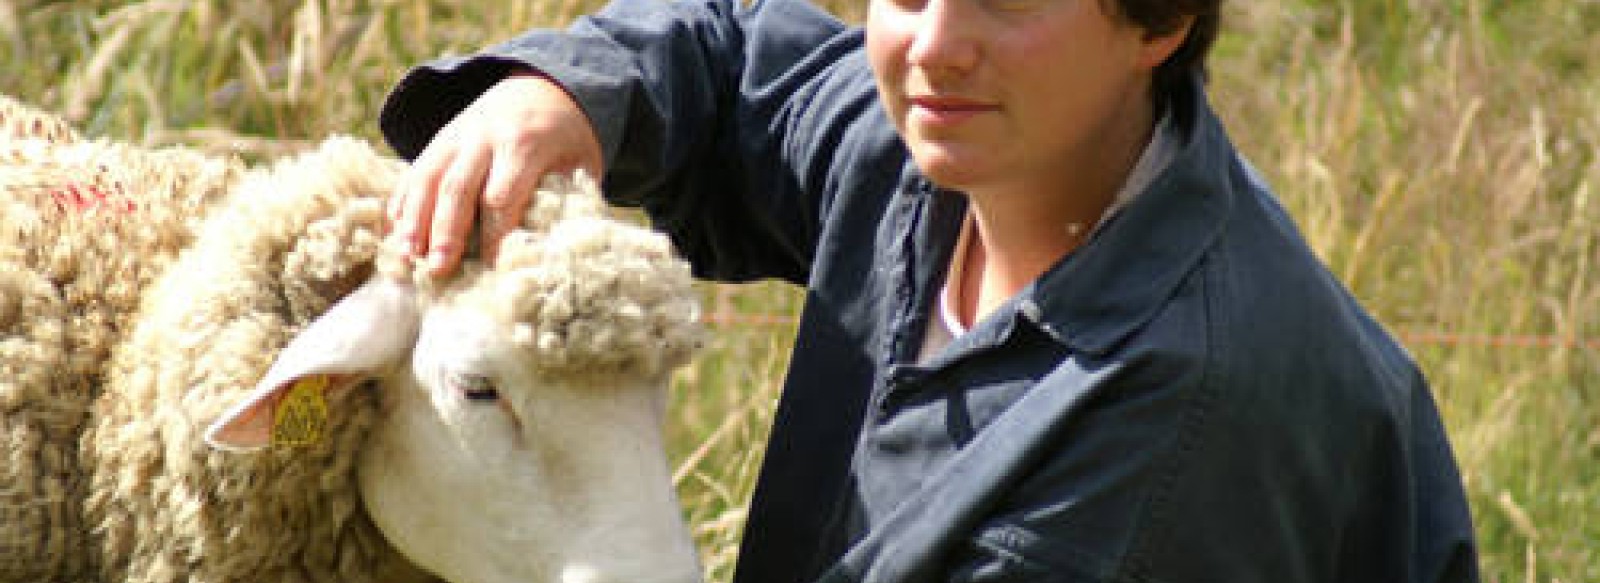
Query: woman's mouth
point(945, 111)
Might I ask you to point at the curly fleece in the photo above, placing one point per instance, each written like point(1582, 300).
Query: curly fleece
point(129, 477)
point(84, 227)
point(18, 120)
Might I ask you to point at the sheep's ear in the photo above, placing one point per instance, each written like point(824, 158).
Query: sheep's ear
point(371, 328)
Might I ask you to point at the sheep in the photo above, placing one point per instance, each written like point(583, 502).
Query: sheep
point(64, 305)
point(18, 120)
point(504, 425)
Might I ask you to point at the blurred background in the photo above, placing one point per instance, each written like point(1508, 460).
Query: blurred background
point(1442, 155)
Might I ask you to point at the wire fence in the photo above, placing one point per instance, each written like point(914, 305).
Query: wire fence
point(725, 315)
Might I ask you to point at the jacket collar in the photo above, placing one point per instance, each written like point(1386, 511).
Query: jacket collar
point(1118, 281)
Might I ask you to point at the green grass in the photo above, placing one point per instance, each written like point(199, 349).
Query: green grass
point(1444, 157)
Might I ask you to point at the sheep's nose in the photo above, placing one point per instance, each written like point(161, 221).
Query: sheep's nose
point(587, 574)
point(580, 574)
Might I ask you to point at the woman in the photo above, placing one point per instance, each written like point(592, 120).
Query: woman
point(1056, 328)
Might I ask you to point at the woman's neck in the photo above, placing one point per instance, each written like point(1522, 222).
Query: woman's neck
point(1019, 232)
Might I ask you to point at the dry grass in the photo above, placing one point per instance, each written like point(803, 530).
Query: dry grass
point(1444, 156)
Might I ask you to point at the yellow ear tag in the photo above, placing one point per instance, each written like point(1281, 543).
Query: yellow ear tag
point(302, 414)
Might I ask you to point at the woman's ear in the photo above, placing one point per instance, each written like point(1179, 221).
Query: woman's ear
point(1159, 46)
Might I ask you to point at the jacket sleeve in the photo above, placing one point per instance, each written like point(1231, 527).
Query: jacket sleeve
point(1259, 506)
point(712, 117)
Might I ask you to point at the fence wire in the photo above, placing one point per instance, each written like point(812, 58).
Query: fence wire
point(1410, 337)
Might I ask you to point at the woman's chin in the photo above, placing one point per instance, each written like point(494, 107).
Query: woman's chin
point(952, 168)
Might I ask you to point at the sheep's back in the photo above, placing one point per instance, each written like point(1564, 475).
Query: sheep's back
point(291, 241)
point(84, 228)
point(97, 222)
point(19, 120)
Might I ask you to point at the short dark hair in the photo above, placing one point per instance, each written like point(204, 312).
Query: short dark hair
point(1164, 16)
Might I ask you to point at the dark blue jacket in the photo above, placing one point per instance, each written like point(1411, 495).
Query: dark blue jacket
point(1188, 397)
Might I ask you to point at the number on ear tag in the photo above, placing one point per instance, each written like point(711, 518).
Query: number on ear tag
point(302, 415)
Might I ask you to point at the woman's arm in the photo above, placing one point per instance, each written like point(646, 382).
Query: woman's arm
point(686, 106)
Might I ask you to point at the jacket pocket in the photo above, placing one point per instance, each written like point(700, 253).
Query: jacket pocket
point(1006, 553)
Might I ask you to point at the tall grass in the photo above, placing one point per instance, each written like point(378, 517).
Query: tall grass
point(1442, 155)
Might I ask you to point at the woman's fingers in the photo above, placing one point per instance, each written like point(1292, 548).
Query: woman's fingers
point(489, 160)
point(507, 193)
point(455, 210)
point(413, 211)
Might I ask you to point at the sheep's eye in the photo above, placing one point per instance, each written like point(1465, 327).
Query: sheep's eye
point(475, 387)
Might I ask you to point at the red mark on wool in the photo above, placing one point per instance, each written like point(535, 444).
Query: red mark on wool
point(88, 197)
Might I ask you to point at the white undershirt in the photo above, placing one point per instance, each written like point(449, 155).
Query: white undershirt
point(945, 326)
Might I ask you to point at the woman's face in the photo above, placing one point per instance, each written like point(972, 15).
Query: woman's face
point(992, 92)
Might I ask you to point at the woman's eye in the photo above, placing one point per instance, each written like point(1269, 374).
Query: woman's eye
point(475, 387)
point(1014, 5)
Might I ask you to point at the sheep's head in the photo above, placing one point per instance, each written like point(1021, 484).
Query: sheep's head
point(521, 436)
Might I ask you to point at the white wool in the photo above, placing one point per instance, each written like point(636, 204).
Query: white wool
point(144, 293)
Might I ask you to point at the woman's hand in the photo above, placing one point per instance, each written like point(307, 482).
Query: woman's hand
point(489, 160)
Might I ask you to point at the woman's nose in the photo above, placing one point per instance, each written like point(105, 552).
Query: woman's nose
point(945, 36)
